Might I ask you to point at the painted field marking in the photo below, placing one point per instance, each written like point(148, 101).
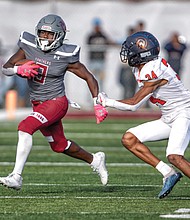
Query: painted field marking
point(94, 148)
point(76, 197)
point(86, 184)
point(74, 135)
point(75, 164)
point(183, 210)
point(94, 197)
point(184, 214)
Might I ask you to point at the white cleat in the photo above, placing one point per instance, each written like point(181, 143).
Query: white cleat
point(13, 181)
point(100, 167)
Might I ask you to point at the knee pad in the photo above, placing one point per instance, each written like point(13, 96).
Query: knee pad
point(61, 146)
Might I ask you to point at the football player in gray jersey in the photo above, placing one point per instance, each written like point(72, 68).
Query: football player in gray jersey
point(44, 60)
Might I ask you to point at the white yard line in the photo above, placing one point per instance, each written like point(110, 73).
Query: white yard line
point(90, 148)
point(77, 197)
point(183, 213)
point(74, 135)
point(90, 197)
point(62, 184)
point(75, 164)
point(174, 216)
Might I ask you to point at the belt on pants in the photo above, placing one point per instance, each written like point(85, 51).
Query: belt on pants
point(37, 102)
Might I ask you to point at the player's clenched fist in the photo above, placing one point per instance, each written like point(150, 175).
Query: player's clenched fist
point(27, 70)
point(100, 113)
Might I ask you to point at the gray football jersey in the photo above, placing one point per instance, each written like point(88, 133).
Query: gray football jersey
point(53, 65)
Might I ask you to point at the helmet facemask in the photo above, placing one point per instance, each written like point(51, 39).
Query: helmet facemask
point(123, 54)
point(54, 24)
point(139, 48)
point(127, 56)
point(49, 44)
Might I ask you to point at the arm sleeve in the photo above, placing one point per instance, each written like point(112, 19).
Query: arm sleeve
point(124, 107)
point(9, 71)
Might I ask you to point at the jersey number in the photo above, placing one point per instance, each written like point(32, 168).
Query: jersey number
point(41, 77)
point(157, 101)
point(152, 76)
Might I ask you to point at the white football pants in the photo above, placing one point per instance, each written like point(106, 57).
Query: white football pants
point(177, 133)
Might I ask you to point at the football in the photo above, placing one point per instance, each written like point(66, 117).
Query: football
point(21, 62)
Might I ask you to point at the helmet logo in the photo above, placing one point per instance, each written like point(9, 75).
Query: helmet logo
point(141, 43)
point(46, 28)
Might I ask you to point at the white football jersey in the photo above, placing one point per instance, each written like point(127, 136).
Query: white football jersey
point(171, 98)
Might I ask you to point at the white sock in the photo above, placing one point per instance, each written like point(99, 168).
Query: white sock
point(23, 150)
point(164, 169)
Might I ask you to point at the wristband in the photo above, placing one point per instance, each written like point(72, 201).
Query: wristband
point(95, 100)
point(15, 68)
point(8, 71)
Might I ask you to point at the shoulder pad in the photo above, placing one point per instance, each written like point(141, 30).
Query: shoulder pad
point(27, 38)
point(68, 50)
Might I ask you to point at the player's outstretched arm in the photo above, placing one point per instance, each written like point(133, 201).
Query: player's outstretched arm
point(132, 104)
point(81, 71)
point(107, 102)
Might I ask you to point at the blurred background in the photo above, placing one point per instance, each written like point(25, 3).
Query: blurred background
point(168, 20)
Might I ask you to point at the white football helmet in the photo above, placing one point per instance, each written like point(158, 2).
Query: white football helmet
point(52, 23)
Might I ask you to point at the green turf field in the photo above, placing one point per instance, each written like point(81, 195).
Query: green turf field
point(58, 187)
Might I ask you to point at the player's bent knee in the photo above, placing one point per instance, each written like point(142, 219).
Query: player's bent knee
point(61, 146)
point(128, 140)
point(175, 159)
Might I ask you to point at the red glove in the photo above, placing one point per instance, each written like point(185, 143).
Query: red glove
point(100, 113)
point(28, 69)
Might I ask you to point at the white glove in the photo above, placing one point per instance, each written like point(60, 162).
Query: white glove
point(102, 99)
point(74, 104)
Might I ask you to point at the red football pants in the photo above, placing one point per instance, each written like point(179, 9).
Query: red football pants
point(46, 117)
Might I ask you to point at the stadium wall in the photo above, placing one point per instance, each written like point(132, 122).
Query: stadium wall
point(161, 17)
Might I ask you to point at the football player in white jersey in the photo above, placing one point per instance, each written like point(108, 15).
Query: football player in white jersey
point(161, 85)
point(50, 59)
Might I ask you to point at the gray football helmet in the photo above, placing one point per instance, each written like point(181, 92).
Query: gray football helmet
point(52, 23)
